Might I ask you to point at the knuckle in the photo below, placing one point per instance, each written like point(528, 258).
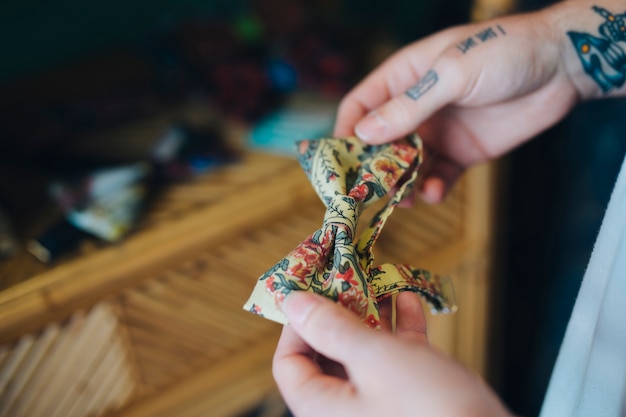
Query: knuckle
point(451, 69)
point(399, 113)
point(344, 105)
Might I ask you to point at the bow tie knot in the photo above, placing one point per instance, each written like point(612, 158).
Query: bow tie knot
point(343, 211)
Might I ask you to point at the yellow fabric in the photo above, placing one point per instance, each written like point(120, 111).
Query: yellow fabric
point(349, 176)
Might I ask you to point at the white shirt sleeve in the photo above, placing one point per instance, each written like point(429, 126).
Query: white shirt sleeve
point(589, 377)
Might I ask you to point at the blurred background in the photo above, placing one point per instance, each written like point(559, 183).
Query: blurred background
point(227, 75)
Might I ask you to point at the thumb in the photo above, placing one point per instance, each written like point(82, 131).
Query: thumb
point(330, 329)
point(444, 83)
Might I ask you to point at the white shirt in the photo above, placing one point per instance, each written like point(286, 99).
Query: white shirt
point(589, 377)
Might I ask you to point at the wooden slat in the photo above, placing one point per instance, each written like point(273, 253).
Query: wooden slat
point(80, 354)
point(214, 385)
point(14, 360)
point(43, 375)
point(97, 395)
point(34, 359)
point(54, 295)
point(49, 384)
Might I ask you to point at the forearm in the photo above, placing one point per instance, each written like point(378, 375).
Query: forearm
point(591, 35)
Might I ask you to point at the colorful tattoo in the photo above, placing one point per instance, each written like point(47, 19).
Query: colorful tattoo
point(480, 37)
point(425, 84)
point(603, 58)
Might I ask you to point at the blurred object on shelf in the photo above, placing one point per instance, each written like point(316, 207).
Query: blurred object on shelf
point(136, 139)
point(8, 242)
point(304, 116)
point(184, 151)
point(106, 202)
point(61, 238)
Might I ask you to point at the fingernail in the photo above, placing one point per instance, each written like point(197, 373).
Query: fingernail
point(372, 127)
point(432, 190)
point(297, 306)
point(429, 197)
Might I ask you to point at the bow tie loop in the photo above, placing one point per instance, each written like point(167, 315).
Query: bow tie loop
point(350, 167)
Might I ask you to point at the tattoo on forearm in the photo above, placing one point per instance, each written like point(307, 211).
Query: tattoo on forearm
point(480, 37)
point(603, 58)
point(422, 87)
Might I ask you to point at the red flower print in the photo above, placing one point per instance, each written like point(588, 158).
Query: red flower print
point(372, 321)
point(354, 300)
point(310, 252)
point(359, 192)
point(347, 276)
point(279, 296)
point(269, 284)
point(368, 177)
point(404, 152)
point(300, 270)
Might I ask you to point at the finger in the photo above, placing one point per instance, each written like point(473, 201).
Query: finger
point(409, 200)
point(330, 367)
point(489, 122)
point(437, 174)
point(398, 73)
point(410, 318)
point(404, 112)
point(434, 190)
point(385, 309)
point(290, 342)
point(332, 330)
point(442, 175)
point(301, 380)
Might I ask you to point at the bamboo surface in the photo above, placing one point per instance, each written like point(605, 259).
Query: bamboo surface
point(155, 326)
point(74, 368)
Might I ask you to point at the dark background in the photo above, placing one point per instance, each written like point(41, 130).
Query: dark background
point(129, 57)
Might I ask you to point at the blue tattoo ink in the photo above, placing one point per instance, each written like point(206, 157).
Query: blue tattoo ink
point(602, 58)
point(422, 87)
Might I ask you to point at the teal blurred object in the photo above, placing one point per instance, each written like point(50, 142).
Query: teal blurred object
point(279, 131)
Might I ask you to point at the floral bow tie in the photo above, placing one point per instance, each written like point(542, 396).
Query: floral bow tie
point(349, 176)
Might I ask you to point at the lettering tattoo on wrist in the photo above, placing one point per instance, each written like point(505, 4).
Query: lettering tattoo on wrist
point(423, 85)
point(603, 58)
point(483, 36)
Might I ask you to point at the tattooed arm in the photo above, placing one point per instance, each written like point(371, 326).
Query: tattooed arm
point(595, 51)
point(476, 91)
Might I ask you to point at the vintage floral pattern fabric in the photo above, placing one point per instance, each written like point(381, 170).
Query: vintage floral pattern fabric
point(350, 176)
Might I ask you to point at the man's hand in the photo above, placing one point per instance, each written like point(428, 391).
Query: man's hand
point(371, 373)
point(474, 92)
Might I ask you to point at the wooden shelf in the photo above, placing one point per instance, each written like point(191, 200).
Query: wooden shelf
point(155, 327)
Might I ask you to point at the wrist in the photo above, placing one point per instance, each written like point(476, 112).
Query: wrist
point(592, 57)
